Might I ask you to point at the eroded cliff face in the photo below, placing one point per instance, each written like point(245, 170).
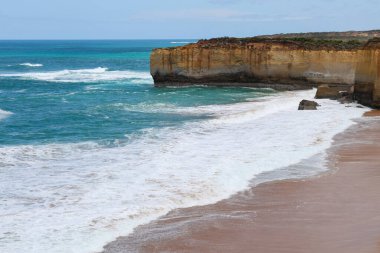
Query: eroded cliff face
point(279, 65)
point(367, 75)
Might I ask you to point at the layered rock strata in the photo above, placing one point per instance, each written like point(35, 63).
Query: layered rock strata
point(283, 64)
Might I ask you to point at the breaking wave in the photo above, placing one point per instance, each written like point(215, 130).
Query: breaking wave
point(4, 114)
point(180, 42)
point(84, 75)
point(33, 65)
point(98, 193)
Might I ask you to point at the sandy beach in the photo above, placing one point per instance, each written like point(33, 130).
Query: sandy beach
point(337, 211)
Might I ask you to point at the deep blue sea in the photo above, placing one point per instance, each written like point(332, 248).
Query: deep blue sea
point(90, 149)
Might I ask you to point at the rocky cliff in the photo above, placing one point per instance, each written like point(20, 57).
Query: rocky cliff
point(367, 74)
point(280, 63)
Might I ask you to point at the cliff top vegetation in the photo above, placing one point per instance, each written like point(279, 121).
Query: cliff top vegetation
point(305, 43)
point(310, 41)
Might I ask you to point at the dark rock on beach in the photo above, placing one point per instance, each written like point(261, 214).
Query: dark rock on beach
point(308, 105)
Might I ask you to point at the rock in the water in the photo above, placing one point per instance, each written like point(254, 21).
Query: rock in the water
point(342, 94)
point(325, 91)
point(346, 97)
point(308, 105)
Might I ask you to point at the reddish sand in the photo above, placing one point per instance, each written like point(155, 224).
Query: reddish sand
point(372, 113)
point(338, 212)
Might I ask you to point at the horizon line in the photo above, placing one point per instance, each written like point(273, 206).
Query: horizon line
point(93, 39)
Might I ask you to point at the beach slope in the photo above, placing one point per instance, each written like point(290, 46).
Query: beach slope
point(337, 211)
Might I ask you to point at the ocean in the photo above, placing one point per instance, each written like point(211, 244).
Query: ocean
point(90, 149)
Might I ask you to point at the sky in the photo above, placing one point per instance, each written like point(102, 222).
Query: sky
point(178, 19)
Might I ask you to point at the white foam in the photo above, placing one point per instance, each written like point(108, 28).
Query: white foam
point(84, 75)
point(33, 65)
point(4, 114)
point(180, 42)
point(77, 197)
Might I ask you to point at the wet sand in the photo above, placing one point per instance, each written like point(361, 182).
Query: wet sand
point(373, 113)
point(338, 211)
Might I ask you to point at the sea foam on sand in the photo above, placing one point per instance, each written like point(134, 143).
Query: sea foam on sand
point(76, 197)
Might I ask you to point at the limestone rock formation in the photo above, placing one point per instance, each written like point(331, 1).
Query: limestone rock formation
point(280, 63)
point(325, 91)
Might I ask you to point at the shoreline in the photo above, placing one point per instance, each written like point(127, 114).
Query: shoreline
point(335, 211)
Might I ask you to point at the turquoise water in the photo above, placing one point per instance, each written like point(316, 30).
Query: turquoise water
point(89, 149)
point(73, 91)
